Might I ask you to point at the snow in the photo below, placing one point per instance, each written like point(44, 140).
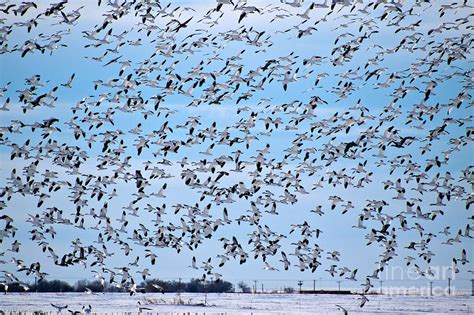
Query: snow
point(235, 303)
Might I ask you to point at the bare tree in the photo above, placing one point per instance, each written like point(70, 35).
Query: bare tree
point(244, 287)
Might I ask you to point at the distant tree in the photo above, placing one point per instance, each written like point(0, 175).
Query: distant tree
point(80, 285)
point(219, 286)
point(194, 286)
point(52, 286)
point(172, 286)
point(244, 287)
point(288, 290)
point(14, 287)
point(167, 286)
point(154, 285)
point(150, 285)
point(113, 288)
point(94, 286)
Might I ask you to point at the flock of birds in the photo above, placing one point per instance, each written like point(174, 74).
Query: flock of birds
point(202, 99)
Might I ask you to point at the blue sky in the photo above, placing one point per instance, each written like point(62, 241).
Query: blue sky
point(338, 233)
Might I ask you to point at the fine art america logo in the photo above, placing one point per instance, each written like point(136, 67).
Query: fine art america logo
point(435, 280)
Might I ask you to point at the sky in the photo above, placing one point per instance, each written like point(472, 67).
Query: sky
point(225, 58)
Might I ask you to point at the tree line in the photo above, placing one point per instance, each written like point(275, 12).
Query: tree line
point(152, 285)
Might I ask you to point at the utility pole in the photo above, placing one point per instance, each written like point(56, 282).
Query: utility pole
point(262, 288)
point(472, 287)
point(431, 288)
point(339, 285)
point(300, 284)
point(381, 283)
point(255, 286)
point(449, 286)
point(314, 285)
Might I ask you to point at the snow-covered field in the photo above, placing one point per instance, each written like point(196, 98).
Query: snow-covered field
point(118, 303)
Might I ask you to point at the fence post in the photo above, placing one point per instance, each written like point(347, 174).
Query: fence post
point(449, 286)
